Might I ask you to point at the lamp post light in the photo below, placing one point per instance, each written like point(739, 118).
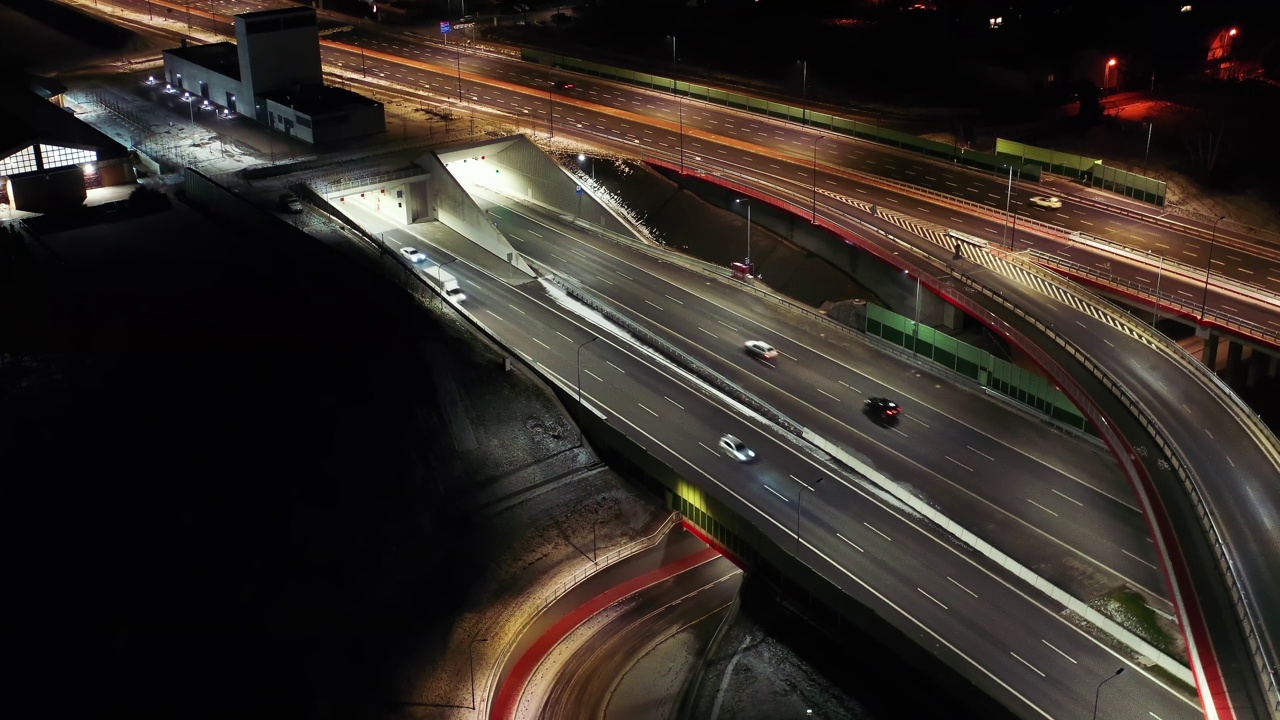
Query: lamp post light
point(804, 91)
point(815, 178)
point(578, 408)
point(740, 200)
point(1208, 268)
point(1106, 73)
point(1098, 692)
point(799, 500)
point(583, 158)
point(458, 67)
point(679, 100)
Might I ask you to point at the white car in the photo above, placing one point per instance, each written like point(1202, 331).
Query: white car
point(761, 349)
point(737, 448)
point(413, 255)
point(1046, 202)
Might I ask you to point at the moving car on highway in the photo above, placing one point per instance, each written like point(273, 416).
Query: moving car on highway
point(882, 410)
point(413, 255)
point(737, 448)
point(1046, 202)
point(761, 349)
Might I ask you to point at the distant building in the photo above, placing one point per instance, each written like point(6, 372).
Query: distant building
point(49, 158)
point(272, 74)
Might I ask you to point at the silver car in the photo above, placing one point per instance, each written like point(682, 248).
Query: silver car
point(1046, 201)
point(761, 349)
point(413, 255)
point(737, 448)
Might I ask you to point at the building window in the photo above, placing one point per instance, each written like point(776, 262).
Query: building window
point(20, 162)
point(304, 121)
point(53, 156)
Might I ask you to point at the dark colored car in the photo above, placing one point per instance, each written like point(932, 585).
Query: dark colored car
point(882, 410)
point(564, 85)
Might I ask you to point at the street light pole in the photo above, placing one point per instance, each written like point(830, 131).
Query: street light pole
point(740, 200)
point(1008, 201)
point(551, 115)
point(679, 100)
point(815, 178)
point(915, 327)
point(1098, 692)
point(1208, 268)
point(804, 90)
point(799, 500)
point(458, 65)
point(1150, 127)
point(578, 408)
point(1155, 305)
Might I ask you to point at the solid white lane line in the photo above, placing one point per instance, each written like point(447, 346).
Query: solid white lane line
point(793, 477)
point(615, 367)
point(944, 607)
point(1033, 502)
point(541, 343)
point(775, 492)
point(953, 580)
point(648, 410)
point(654, 304)
point(966, 467)
point(824, 392)
point(1135, 557)
point(513, 307)
point(711, 334)
point(1024, 662)
point(673, 402)
point(981, 453)
point(886, 537)
point(855, 547)
point(1046, 642)
point(1064, 497)
point(671, 298)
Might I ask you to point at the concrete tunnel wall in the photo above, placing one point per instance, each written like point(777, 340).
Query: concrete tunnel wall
point(453, 206)
point(529, 173)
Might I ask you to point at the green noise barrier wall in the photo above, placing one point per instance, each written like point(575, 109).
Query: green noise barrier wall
point(981, 366)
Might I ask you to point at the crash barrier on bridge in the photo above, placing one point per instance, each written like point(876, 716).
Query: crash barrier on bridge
point(979, 365)
point(770, 108)
point(1261, 648)
point(1088, 170)
point(674, 354)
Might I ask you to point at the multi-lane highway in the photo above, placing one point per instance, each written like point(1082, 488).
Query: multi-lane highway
point(788, 162)
point(941, 595)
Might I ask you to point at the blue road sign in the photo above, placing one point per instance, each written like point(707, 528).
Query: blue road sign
point(445, 26)
point(578, 190)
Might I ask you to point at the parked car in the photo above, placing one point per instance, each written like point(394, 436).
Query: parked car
point(737, 448)
point(882, 410)
point(290, 203)
point(413, 255)
point(1046, 202)
point(761, 349)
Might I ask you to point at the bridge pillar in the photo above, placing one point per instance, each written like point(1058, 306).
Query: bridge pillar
point(1257, 361)
point(1235, 353)
point(1210, 356)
